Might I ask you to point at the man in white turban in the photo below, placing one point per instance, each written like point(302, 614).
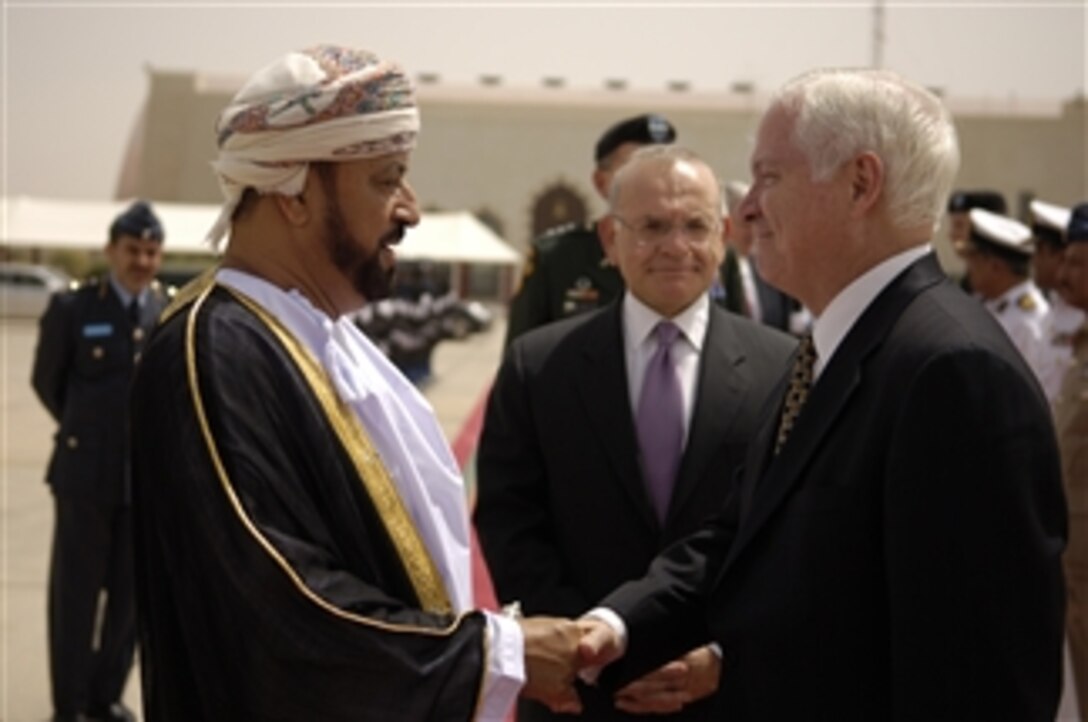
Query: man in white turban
point(302, 536)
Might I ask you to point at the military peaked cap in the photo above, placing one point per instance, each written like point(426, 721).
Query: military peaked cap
point(643, 129)
point(963, 201)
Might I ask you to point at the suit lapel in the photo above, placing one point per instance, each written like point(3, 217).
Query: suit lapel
point(719, 393)
point(602, 388)
point(772, 480)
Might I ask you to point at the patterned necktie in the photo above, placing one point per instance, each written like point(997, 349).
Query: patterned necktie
point(800, 383)
point(660, 421)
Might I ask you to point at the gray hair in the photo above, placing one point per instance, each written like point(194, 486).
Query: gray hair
point(657, 153)
point(839, 114)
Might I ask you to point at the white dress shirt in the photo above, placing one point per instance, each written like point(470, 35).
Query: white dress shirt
point(831, 327)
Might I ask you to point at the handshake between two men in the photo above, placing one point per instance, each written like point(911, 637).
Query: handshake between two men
point(559, 651)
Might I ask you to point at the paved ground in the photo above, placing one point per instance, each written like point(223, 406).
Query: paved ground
point(462, 370)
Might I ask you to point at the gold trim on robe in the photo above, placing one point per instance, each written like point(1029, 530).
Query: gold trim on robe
point(419, 566)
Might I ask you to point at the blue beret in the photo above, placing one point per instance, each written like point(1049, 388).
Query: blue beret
point(963, 201)
point(138, 221)
point(643, 129)
point(1078, 224)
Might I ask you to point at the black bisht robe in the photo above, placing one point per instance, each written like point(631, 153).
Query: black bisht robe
point(269, 587)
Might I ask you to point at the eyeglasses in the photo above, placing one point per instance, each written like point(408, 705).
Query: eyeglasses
point(652, 232)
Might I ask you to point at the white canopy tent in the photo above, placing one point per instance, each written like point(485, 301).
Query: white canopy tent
point(56, 224)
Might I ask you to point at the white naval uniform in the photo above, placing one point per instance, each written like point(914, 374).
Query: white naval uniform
point(1053, 357)
point(1021, 312)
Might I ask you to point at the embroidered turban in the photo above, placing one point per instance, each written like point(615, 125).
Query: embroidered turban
point(326, 103)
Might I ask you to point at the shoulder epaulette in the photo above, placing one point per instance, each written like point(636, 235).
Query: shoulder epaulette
point(1026, 302)
point(556, 235)
point(88, 283)
point(159, 289)
point(559, 230)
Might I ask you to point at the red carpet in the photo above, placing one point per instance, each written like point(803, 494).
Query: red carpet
point(464, 451)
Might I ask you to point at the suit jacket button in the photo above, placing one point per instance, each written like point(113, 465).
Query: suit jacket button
point(73, 442)
point(97, 352)
point(137, 334)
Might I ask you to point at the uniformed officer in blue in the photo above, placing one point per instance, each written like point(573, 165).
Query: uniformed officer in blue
point(567, 272)
point(90, 340)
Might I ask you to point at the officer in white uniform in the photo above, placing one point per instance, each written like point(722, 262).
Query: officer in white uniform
point(1055, 357)
point(998, 253)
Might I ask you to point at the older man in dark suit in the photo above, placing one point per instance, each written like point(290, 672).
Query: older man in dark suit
point(603, 442)
point(893, 551)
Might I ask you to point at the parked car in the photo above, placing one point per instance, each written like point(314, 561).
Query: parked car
point(25, 288)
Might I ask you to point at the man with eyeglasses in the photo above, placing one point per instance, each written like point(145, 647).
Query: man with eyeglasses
point(567, 272)
point(610, 435)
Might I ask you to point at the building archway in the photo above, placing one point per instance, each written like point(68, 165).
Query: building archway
point(558, 204)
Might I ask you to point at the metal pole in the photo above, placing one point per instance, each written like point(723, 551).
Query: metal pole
point(878, 34)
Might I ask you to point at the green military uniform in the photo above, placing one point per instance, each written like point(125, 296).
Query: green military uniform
point(567, 273)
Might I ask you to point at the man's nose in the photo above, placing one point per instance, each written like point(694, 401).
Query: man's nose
point(749, 207)
point(407, 211)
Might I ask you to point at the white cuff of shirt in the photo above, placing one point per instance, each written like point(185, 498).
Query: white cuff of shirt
point(504, 671)
point(589, 674)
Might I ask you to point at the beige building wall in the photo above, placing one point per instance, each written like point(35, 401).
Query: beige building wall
point(498, 149)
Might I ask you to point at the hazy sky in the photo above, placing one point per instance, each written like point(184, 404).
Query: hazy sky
point(74, 78)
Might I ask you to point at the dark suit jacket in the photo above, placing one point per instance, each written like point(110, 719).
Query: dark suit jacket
point(899, 559)
point(562, 511)
point(86, 355)
point(776, 307)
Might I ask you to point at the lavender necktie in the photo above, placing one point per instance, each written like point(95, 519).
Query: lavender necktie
point(660, 421)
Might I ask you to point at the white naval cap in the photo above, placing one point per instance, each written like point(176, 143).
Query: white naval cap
point(1050, 215)
point(1000, 231)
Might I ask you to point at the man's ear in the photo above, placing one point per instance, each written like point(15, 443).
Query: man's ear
point(298, 210)
point(606, 232)
point(866, 182)
point(600, 182)
point(293, 209)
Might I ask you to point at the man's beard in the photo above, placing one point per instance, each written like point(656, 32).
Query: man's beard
point(364, 271)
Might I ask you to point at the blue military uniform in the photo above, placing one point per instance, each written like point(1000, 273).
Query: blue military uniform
point(89, 343)
point(87, 350)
